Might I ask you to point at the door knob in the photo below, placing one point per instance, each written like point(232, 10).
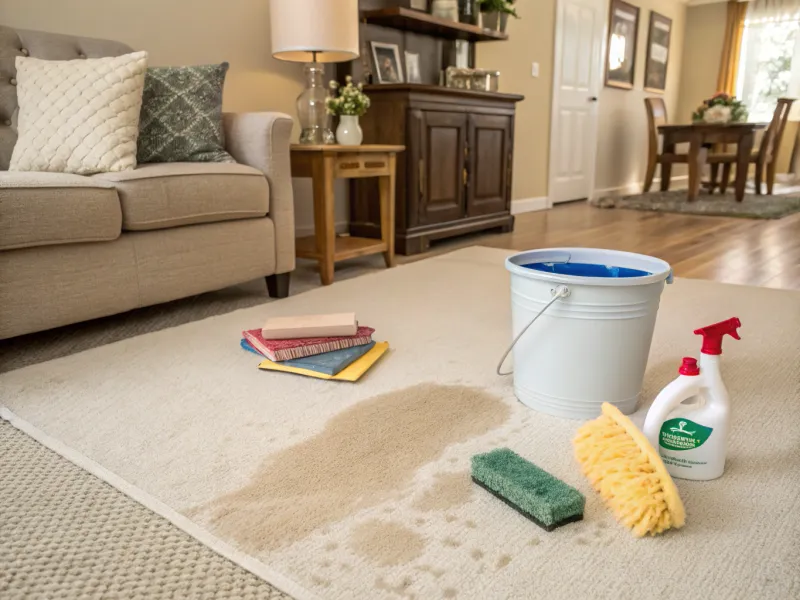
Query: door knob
point(592, 98)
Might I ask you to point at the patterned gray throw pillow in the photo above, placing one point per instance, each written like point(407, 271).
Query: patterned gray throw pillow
point(181, 118)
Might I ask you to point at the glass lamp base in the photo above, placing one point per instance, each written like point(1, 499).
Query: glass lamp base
point(317, 136)
point(314, 119)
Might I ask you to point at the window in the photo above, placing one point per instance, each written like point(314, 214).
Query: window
point(769, 63)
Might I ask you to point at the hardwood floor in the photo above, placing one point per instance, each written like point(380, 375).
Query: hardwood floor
point(743, 251)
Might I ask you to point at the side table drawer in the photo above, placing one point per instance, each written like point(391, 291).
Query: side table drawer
point(357, 165)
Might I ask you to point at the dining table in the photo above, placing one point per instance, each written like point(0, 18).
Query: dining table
point(701, 137)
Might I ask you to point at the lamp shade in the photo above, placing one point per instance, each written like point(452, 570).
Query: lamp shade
point(305, 30)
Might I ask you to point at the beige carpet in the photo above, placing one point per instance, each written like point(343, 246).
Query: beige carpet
point(65, 534)
point(341, 491)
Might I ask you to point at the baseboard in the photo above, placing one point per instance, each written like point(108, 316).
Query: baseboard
point(635, 187)
point(524, 205)
point(304, 230)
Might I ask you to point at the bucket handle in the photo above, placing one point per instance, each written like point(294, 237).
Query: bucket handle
point(558, 293)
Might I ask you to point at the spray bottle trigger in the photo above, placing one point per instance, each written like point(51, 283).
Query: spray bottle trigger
point(713, 334)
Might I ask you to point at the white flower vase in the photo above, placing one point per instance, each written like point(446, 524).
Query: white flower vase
point(349, 133)
point(717, 115)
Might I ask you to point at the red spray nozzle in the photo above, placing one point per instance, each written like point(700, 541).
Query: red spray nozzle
point(713, 334)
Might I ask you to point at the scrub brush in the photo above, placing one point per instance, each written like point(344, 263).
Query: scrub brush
point(628, 473)
point(545, 500)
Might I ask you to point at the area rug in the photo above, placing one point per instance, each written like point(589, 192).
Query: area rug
point(718, 205)
point(362, 491)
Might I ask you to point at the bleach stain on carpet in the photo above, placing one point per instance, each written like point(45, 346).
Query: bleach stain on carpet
point(342, 469)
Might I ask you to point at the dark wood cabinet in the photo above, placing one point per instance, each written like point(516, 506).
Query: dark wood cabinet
point(455, 176)
point(490, 162)
point(442, 140)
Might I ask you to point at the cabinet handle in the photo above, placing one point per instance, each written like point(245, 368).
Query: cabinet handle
point(466, 177)
point(422, 177)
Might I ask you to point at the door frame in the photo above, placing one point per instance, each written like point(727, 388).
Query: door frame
point(559, 25)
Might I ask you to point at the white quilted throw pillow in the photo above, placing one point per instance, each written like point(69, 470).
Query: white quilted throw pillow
point(78, 116)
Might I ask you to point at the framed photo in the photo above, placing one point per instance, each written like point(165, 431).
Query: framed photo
point(413, 74)
point(621, 57)
point(658, 38)
point(387, 62)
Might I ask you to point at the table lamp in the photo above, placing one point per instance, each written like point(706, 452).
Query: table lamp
point(314, 32)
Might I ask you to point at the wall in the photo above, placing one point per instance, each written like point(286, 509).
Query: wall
point(622, 137)
point(204, 31)
point(531, 39)
point(183, 32)
point(705, 34)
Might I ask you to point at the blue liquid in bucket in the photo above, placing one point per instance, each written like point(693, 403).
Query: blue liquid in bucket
point(586, 270)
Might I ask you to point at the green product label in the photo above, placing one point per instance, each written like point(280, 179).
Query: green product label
point(683, 434)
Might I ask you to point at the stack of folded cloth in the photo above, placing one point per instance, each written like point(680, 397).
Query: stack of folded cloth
point(322, 346)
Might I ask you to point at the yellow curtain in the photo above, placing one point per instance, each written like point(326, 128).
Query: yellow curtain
point(734, 29)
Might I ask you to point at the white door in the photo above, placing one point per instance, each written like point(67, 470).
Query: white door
point(577, 78)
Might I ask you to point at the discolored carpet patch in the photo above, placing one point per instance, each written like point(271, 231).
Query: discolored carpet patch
point(448, 491)
point(344, 467)
point(386, 543)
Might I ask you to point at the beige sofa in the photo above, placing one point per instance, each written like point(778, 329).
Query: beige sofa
point(74, 248)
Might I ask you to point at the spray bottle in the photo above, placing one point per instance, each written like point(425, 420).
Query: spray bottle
point(690, 419)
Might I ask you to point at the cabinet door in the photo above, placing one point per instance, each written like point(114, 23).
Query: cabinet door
point(489, 189)
point(442, 167)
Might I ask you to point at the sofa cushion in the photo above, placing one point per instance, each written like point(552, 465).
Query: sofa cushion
point(40, 209)
point(162, 195)
point(78, 116)
point(47, 46)
point(182, 115)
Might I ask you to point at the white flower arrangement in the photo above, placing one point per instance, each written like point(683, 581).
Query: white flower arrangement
point(349, 100)
point(721, 108)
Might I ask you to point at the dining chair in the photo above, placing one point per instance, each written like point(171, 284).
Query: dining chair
point(657, 116)
point(765, 158)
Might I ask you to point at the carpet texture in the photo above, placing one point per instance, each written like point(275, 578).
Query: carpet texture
point(66, 534)
point(363, 491)
point(752, 207)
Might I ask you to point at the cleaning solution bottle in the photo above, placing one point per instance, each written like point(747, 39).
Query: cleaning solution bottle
point(690, 419)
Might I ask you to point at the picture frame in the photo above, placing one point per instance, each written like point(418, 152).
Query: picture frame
point(623, 32)
point(659, 36)
point(388, 67)
point(413, 73)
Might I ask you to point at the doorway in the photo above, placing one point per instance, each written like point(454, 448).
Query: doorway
point(577, 80)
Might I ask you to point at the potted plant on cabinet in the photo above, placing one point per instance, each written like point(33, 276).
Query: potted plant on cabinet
point(494, 14)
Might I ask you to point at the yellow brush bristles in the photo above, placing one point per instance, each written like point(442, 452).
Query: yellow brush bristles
point(628, 473)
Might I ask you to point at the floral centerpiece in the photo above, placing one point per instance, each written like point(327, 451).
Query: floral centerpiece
point(349, 102)
point(721, 108)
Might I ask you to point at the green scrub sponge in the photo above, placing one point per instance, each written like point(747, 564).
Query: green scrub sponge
point(545, 500)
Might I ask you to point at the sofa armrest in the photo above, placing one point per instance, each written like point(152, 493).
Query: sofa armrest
point(262, 140)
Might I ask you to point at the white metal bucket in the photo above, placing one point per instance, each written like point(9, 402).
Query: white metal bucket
point(591, 337)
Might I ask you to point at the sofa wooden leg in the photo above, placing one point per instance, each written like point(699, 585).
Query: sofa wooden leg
point(278, 285)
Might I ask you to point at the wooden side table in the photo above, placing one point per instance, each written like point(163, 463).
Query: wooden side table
point(324, 164)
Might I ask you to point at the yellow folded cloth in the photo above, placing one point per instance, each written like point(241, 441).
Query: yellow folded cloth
point(352, 372)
